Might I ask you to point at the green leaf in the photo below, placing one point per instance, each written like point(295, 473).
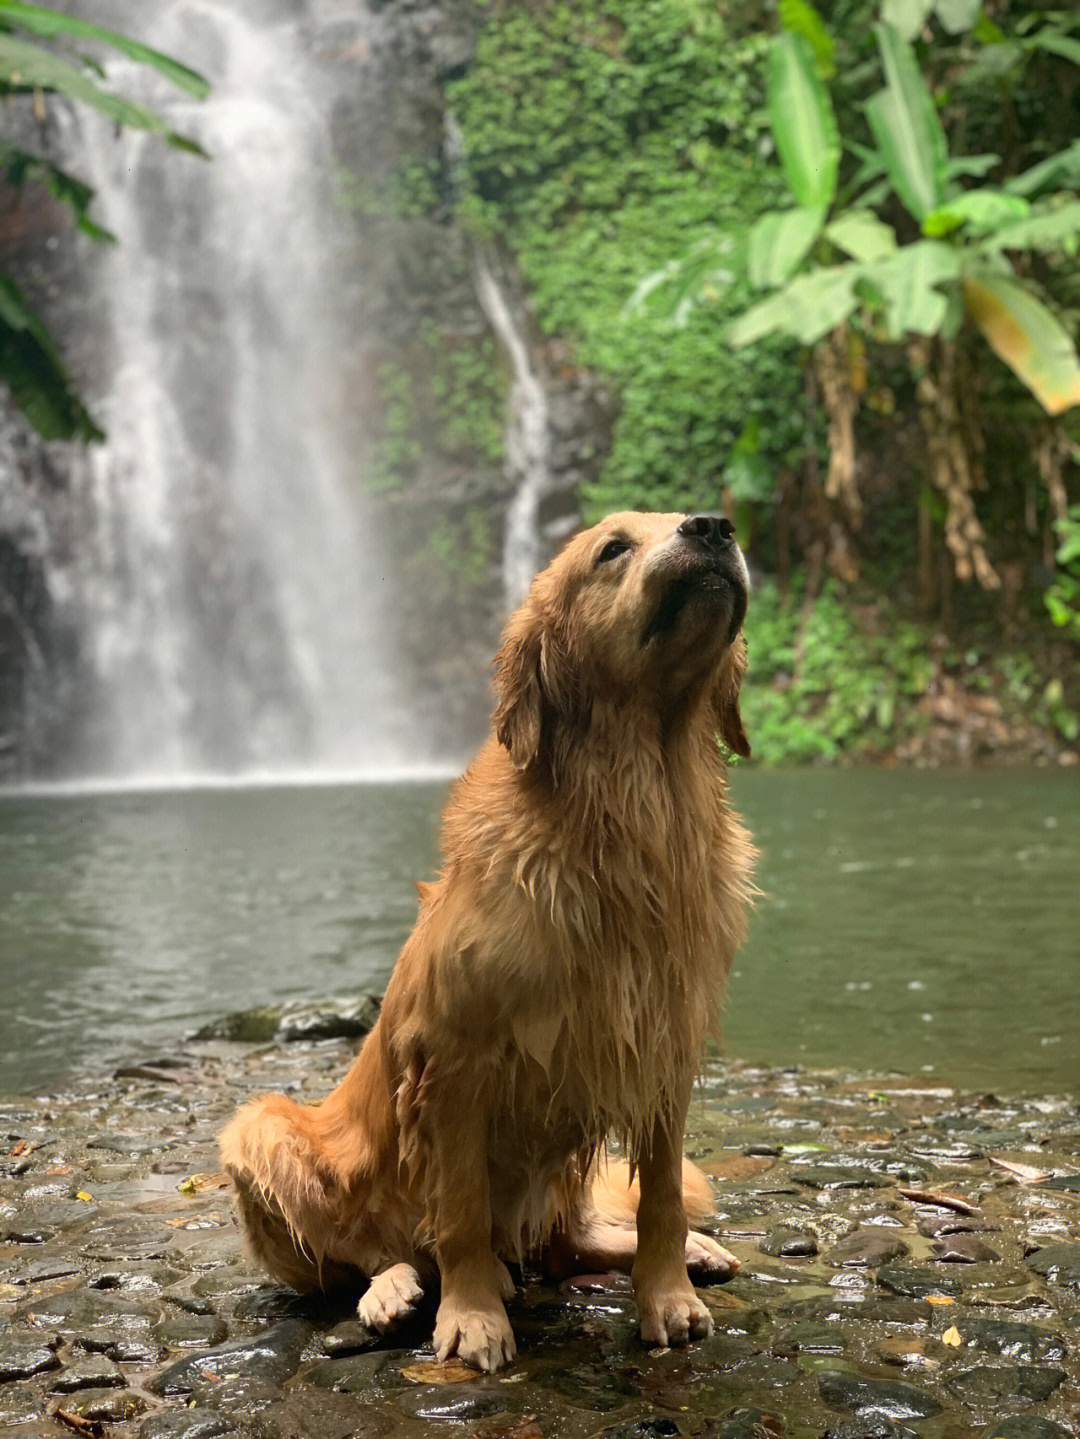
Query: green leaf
point(22, 167)
point(48, 25)
point(1027, 336)
point(800, 17)
point(27, 66)
point(860, 234)
point(1060, 169)
point(907, 128)
point(808, 308)
point(907, 17)
point(906, 286)
point(1052, 229)
point(779, 242)
point(1063, 45)
point(958, 15)
point(802, 120)
point(35, 374)
point(983, 211)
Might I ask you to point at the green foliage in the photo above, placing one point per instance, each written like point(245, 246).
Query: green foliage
point(962, 258)
point(1063, 596)
point(397, 453)
point(821, 685)
point(469, 396)
point(601, 139)
point(37, 55)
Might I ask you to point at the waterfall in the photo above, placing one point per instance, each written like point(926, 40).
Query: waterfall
point(229, 587)
point(527, 443)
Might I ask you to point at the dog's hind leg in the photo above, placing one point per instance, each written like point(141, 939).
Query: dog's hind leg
point(288, 1201)
point(600, 1232)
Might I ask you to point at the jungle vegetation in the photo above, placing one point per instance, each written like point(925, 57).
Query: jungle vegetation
point(827, 260)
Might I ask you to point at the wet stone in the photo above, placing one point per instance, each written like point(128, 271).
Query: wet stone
point(22, 1358)
point(460, 1402)
point(588, 1386)
point(1025, 1343)
point(871, 1426)
point(913, 1282)
point(838, 1176)
point(867, 1248)
point(320, 1415)
point(886, 1397)
point(810, 1338)
point(349, 1337)
point(186, 1424)
point(95, 1371)
point(963, 1248)
point(1026, 1426)
point(1060, 1263)
point(744, 1424)
point(104, 1406)
point(658, 1426)
point(789, 1244)
point(996, 1384)
point(179, 1329)
point(270, 1357)
point(354, 1374)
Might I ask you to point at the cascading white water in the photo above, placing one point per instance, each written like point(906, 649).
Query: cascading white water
point(231, 595)
point(528, 444)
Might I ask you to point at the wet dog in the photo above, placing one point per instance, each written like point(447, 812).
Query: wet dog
point(562, 976)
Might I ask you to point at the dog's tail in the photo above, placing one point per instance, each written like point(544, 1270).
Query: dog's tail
point(615, 1195)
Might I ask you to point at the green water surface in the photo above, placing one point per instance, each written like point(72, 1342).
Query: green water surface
point(926, 923)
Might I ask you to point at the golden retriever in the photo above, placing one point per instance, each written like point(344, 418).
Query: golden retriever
point(561, 978)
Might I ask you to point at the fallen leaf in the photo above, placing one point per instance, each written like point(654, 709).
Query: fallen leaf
point(1024, 1173)
point(951, 1337)
point(201, 1183)
point(78, 1422)
point(20, 1148)
point(86, 1198)
point(452, 1371)
point(936, 1196)
point(940, 1299)
point(197, 1221)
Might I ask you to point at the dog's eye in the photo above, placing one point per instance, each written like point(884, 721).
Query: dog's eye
point(612, 550)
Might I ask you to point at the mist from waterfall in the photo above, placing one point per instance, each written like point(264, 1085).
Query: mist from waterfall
point(231, 596)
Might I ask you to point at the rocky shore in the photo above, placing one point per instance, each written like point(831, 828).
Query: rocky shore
point(910, 1266)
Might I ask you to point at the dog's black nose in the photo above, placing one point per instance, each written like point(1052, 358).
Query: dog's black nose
point(714, 530)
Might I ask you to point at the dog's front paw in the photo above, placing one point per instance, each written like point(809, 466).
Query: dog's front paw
point(674, 1318)
point(707, 1258)
point(390, 1298)
point(481, 1337)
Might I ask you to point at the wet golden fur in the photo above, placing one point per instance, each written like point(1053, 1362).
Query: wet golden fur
point(559, 983)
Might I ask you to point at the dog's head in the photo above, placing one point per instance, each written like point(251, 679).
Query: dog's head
point(639, 610)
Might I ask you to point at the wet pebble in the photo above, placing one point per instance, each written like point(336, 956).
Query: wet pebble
point(1026, 1343)
point(349, 1337)
point(270, 1357)
point(838, 1176)
point(186, 1424)
point(963, 1248)
point(104, 1406)
point(789, 1244)
point(871, 1426)
point(180, 1329)
point(355, 1374)
point(884, 1397)
point(93, 1371)
point(867, 1248)
point(1060, 1263)
point(913, 1282)
point(998, 1383)
point(22, 1358)
point(1026, 1426)
point(460, 1402)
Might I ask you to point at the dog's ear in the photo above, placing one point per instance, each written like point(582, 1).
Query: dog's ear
point(519, 712)
point(728, 684)
point(534, 681)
